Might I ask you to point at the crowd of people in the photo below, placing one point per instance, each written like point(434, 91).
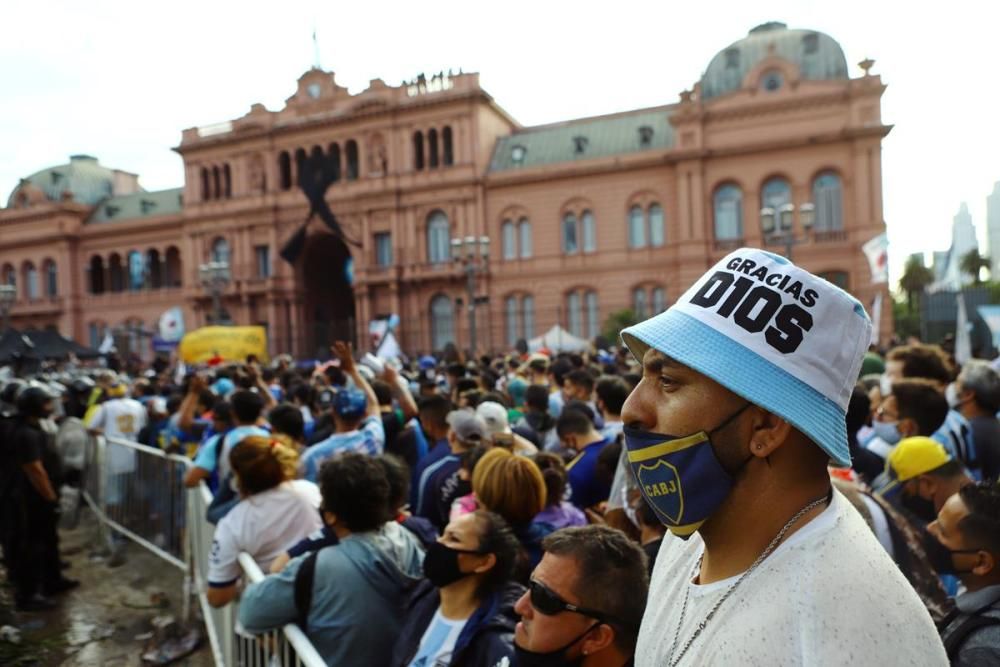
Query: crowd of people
point(743, 480)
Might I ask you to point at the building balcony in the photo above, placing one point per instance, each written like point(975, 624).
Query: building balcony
point(47, 305)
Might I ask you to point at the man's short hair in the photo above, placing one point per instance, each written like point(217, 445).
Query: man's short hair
point(434, 410)
point(455, 370)
point(923, 361)
point(559, 369)
point(613, 392)
point(581, 378)
point(397, 473)
point(536, 396)
point(287, 419)
point(573, 422)
point(981, 527)
point(611, 576)
point(247, 406)
point(920, 400)
point(383, 392)
point(979, 377)
point(354, 488)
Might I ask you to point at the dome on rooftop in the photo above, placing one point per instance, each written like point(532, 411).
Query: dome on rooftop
point(84, 179)
point(817, 55)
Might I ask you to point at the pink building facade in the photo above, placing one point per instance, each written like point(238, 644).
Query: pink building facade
point(585, 217)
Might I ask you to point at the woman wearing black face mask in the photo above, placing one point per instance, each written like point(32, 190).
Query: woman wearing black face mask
point(463, 613)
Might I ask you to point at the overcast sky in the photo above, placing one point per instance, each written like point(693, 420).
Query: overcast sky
point(120, 80)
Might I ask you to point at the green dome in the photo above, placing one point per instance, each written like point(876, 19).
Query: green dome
point(818, 56)
point(83, 177)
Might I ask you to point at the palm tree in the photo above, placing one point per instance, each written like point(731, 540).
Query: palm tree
point(972, 263)
point(915, 278)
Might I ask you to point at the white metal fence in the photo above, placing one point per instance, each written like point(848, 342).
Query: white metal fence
point(138, 492)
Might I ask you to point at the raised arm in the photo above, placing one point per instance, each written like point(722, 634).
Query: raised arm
point(343, 352)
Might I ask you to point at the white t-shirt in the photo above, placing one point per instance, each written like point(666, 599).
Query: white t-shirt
point(828, 595)
point(438, 642)
point(264, 525)
point(120, 418)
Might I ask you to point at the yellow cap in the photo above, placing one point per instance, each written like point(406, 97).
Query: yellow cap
point(915, 456)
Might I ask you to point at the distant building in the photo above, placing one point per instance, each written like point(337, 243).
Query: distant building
point(963, 241)
point(586, 216)
point(993, 230)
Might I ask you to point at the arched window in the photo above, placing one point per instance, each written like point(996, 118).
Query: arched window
point(511, 308)
point(300, 160)
point(227, 181)
point(636, 228)
point(448, 148)
point(116, 273)
point(9, 276)
point(206, 190)
point(639, 302)
point(508, 237)
point(528, 316)
point(657, 234)
point(659, 300)
point(589, 232)
point(524, 237)
point(95, 332)
point(97, 275)
point(136, 271)
point(216, 183)
point(432, 148)
point(351, 148)
point(418, 150)
point(593, 315)
point(172, 268)
point(574, 315)
point(775, 194)
point(442, 322)
point(728, 206)
point(51, 278)
point(827, 197)
point(154, 268)
point(333, 162)
point(570, 244)
point(220, 250)
point(438, 242)
point(31, 291)
point(285, 170)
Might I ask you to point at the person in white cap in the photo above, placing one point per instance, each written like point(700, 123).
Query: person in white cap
point(741, 407)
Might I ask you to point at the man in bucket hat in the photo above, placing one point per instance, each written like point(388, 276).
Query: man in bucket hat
point(741, 407)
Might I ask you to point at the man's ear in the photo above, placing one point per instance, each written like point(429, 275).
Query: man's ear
point(329, 518)
point(769, 432)
point(598, 639)
point(986, 563)
point(908, 427)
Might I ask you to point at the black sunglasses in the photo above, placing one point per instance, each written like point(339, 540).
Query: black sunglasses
point(548, 602)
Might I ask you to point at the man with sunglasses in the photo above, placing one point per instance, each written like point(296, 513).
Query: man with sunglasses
point(741, 408)
point(584, 602)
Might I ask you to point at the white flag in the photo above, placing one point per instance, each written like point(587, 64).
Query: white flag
point(877, 252)
point(876, 317)
point(172, 325)
point(388, 349)
point(963, 342)
point(108, 344)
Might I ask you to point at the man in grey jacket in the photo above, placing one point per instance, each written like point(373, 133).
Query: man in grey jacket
point(358, 586)
point(965, 541)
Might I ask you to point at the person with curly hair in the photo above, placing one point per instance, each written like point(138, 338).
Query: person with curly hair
point(274, 512)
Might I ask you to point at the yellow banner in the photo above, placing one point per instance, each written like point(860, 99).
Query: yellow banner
point(229, 343)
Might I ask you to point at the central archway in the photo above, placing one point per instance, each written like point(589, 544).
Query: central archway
point(329, 294)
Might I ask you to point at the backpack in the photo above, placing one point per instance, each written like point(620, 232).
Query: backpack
point(956, 639)
point(303, 590)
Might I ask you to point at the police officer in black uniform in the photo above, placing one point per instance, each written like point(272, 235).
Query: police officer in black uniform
point(31, 478)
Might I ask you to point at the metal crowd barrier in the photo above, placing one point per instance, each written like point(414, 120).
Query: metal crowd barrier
point(138, 492)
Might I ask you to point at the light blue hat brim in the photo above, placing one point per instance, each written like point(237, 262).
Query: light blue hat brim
point(742, 371)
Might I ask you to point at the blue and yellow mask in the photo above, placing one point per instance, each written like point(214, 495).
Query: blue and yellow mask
point(680, 477)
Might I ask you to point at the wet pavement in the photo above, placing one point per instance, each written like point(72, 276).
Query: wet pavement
point(110, 620)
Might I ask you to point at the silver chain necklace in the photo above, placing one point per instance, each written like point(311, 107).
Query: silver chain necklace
point(760, 559)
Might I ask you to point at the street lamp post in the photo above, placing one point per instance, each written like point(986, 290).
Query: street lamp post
point(473, 254)
point(8, 294)
point(777, 225)
point(214, 277)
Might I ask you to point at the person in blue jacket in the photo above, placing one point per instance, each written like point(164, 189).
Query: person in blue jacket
point(351, 595)
point(462, 615)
